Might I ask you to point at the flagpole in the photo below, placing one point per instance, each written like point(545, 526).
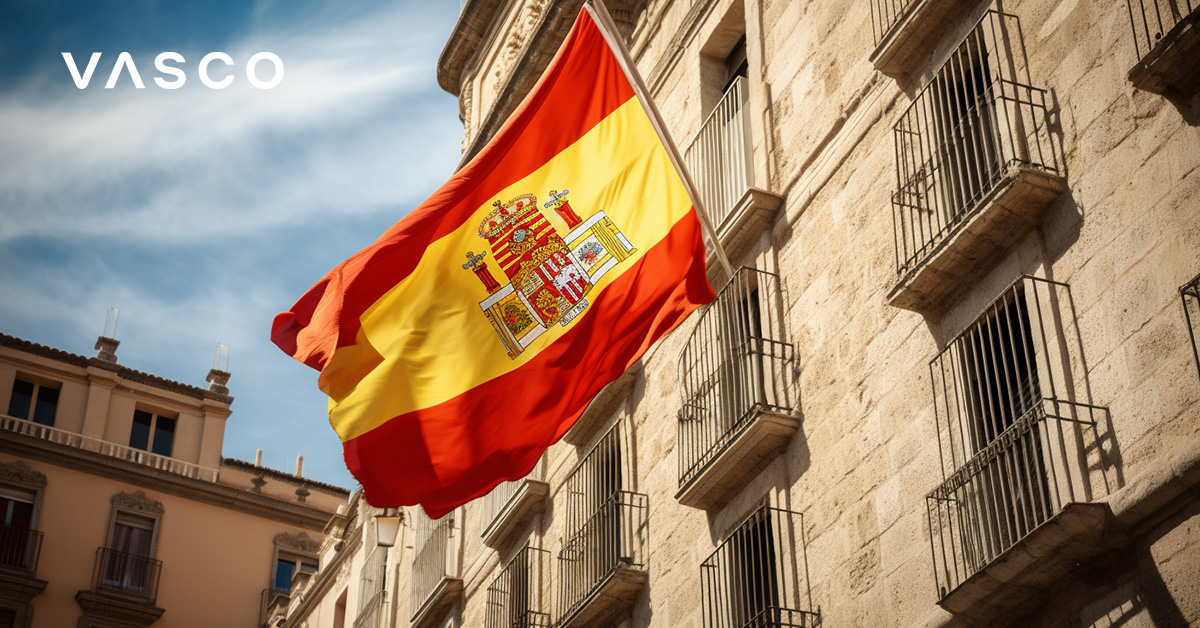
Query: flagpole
point(616, 42)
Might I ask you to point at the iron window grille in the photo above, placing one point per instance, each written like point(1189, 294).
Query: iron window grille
point(758, 577)
point(605, 524)
point(732, 369)
point(1014, 439)
point(431, 565)
point(514, 599)
point(1153, 19)
point(960, 137)
point(1190, 293)
point(719, 157)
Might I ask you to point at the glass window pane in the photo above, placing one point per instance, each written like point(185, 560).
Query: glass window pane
point(164, 436)
point(47, 405)
point(139, 434)
point(283, 575)
point(22, 398)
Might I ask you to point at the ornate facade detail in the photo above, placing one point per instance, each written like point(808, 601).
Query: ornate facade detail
point(139, 502)
point(20, 473)
point(520, 32)
point(466, 104)
point(298, 542)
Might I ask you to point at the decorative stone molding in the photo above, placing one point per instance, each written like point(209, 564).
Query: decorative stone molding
point(138, 502)
point(298, 542)
point(20, 473)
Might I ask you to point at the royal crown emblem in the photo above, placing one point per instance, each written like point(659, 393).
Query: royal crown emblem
point(549, 275)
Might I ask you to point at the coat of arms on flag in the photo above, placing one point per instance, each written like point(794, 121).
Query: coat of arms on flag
point(549, 275)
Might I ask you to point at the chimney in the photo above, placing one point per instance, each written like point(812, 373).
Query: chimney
point(218, 377)
point(107, 343)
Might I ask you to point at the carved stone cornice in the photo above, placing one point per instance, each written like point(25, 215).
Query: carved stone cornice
point(138, 502)
point(112, 609)
point(473, 23)
point(298, 542)
point(20, 473)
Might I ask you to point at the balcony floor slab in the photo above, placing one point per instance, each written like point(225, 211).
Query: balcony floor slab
point(610, 601)
point(1172, 67)
point(522, 507)
point(766, 436)
point(447, 593)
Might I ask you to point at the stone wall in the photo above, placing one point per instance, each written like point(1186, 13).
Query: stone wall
point(1124, 235)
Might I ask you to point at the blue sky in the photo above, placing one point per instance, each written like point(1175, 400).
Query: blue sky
point(202, 213)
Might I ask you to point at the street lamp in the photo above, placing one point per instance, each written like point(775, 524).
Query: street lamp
point(387, 526)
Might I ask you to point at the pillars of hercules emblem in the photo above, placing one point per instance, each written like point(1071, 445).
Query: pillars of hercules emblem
point(559, 203)
point(475, 263)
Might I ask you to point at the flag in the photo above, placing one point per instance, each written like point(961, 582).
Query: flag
point(473, 333)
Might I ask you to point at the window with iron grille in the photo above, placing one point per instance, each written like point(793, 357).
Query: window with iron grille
point(733, 368)
point(514, 599)
point(604, 523)
point(1190, 292)
point(963, 134)
point(1012, 432)
point(759, 576)
point(431, 564)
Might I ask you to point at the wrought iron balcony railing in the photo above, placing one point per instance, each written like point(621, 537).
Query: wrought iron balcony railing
point(514, 599)
point(732, 369)
point(127, 574)
point(1153, 19)
point(434, 558)
point(961, 136)
point(885, 14)
point(371, 614)
point(20, 549)
point(719, 158)
point(1190, 293)
point(1015, 438)
point(758, 577)
point(613, 537)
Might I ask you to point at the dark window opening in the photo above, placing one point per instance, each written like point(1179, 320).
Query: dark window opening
point(41, 399)
point(152, 433)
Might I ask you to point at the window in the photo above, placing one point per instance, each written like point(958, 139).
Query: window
point(152, 432)
point(33, 401)
point(1011, 427)
point(758, 576)
point(604, 524)
point(16, 512)
point(126, 563)
point(286, 566)
point(974, 126)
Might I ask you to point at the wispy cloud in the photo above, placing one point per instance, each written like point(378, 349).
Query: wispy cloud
point(202, 213)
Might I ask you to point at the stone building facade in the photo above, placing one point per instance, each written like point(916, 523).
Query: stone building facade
point(955, 382)
point(119, 510)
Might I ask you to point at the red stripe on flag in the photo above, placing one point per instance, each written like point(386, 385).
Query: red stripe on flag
point(506, 429)
point(564, 106)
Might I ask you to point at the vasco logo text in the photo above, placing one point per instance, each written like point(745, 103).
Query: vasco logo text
point(125, 63)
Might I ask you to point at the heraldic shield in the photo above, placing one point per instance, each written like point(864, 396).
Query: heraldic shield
point(549, 275)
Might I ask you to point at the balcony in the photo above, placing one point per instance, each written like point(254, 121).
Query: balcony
point(758, 577)
point(975, 169)
point(737, 413)
point(508, 509)
point(371, 613)
point(124, 589)
point(720, 161)
point(514, 599)
point(1021, 459)
point(1190, 293)
point(273, 607)
point(20, 549)
point(602, 565)
point(908, 31)
point(1166, 35)
point(436, 583)
point(106, 448)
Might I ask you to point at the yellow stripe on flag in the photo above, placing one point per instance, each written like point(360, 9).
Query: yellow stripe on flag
point(430, 327)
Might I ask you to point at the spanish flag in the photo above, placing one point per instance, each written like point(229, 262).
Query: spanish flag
point(472, 334)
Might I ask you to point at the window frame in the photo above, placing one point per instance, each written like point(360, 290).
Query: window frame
point(155, 415)
point(39, 384)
